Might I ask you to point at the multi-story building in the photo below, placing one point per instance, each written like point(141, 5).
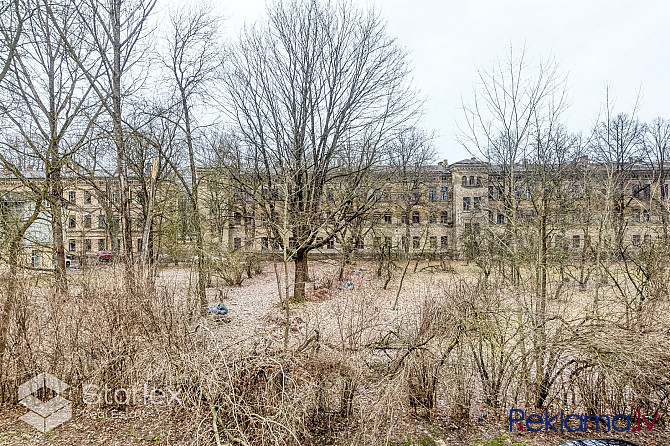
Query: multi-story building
point(432, 211)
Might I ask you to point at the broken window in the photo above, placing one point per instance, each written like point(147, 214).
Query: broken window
point(444, 242)
point(636, 240)
point(444, 217)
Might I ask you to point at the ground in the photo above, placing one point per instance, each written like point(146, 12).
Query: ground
point(342, 317)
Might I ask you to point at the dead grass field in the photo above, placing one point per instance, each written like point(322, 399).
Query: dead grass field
point(352, 361)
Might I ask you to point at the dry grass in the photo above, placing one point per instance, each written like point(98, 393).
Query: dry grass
point(457, 352)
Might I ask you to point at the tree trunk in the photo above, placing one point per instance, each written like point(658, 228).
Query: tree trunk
point(57, 229)
point(119, 141)
point(301, 276)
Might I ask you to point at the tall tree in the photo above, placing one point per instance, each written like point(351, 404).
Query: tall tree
point(114, 29)
point(52, 112)
point(514, 124)
point(321, 82)
point(191, 58)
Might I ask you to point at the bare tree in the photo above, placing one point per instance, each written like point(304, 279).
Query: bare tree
point(319, 84)
point(48, 105)
point(514, 124)
point(657, 147)
point(13, 15)
point(114, 29)
point(191, 59)
point(617, 142)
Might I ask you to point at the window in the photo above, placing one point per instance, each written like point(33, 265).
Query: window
point(472, 181)
point(443, 193)
point(87, 197)
point(404, 219)
point(415, 218)
point(387, 218)
point(479, 181)
point(87, 221)
point(444, 217)
point(636, 215)
point(329, 196)
point(36, 259)
point(491, 192)
point(476, 228)
point(517, 191)
point(464, 181)
point(416, 196)
point(139, 245)
point(87, 245)
point(477, 202)
point(636, 240)
point(376, 242)
point(645, 215)
point(432, 194)
point(432, 217)
point(444, 178)
point(237, 243)
point(72, 196)
point(647, 239)
point(237, 218)
point(664, 191)
point(73, 222)
point(360, 243)
point(444, 242)
point(466, 203)
point(331, 243)
point(415, 242)
point(291, 243)
point(576, 241)
point(101, 244)
point(529, 193)
point(433, 242)
point(248, 220)
point(500, 219)
point(101, 222)
point(528, 214)
point(265, 246)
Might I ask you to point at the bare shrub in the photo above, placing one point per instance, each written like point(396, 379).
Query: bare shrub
point(231, 269)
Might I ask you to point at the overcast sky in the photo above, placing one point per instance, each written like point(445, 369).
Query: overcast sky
point(624, 44)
